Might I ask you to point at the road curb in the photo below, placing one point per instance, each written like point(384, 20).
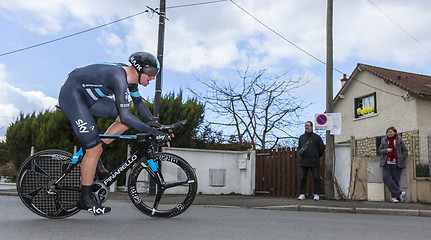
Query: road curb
point(8, 193)
point(340, 210)
point(216, 206)
point(282, 208)
point(425, 213)
point(387, 211)
point(375, 211)
point(307, 208)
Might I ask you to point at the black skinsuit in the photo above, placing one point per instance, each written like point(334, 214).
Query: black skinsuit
point(87, 92)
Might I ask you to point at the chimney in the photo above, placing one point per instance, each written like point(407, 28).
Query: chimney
point(343, 80)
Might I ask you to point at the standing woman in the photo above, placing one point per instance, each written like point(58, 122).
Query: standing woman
point(393, 161)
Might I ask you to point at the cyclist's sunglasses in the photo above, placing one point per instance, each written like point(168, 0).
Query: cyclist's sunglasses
point(151, 71)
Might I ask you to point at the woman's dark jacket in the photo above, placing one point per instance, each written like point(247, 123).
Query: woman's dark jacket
point(314, 151)
point(401, 149)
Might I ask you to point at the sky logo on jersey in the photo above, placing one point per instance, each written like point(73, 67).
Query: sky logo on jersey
point(82, 126)
point(124, 105)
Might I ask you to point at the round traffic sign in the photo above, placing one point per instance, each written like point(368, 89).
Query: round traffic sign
point(321, 119)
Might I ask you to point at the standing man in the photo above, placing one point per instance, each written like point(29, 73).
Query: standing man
point(103, 90)
point(311, 148)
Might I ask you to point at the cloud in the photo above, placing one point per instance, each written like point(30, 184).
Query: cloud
point(8, 114)
point(210, 40)
point(15, 101)
point(51, 16)
point(114, 44)
point(366, 33)
point(42, 17)
point(220, 34)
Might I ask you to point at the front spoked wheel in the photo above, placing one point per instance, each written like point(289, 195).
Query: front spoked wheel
point(175, 193)
point(34, 184)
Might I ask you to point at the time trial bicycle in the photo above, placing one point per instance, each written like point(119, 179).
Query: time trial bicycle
point(49, 182)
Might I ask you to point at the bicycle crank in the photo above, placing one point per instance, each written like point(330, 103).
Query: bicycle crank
point(100, 192)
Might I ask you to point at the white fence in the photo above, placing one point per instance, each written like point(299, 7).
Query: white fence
point(221, 172)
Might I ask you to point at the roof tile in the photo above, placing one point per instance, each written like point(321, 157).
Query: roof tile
point(411, 82)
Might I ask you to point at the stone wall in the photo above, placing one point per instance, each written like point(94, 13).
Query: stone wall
point(411, 139)
point(367, 147)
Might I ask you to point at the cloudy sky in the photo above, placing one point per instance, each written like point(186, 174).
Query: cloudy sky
point(204, 40)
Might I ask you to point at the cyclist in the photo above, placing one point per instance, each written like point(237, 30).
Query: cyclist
point(102, 90)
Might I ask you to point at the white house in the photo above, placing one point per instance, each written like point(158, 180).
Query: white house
point(371, 100)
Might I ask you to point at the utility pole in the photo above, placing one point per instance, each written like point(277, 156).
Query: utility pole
point(159, 78)
point(329, 154)
point(160, 48)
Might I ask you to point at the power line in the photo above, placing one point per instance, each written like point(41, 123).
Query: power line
point(393, 21)
point(376, 88)
point(196, 4)
point(74, 34)
point(278, 34)
point(101, 26)
point(309, 54)
point(284, 38)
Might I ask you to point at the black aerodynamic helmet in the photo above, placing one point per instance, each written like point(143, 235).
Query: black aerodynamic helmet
point(145, 63)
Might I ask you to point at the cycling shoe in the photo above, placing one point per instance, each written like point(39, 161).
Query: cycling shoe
point(87, 202)
point(92, 206)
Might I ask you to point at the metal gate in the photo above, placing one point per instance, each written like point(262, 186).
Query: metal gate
point(278, 173)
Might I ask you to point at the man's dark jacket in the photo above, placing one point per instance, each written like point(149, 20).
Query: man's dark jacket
point(314, 151)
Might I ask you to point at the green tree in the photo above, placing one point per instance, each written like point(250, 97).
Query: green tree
point(4, 154)
point(46, 130)
point(52, 130)
point(212, 139)
point(19, 138)
point(6, 165)
point(173, 110)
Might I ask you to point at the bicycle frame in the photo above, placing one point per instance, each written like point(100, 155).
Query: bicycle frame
point(143, 143)
point(49, 182)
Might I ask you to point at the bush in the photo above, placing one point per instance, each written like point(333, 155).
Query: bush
point(8, 170)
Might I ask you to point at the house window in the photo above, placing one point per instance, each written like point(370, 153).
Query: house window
point(365, 105)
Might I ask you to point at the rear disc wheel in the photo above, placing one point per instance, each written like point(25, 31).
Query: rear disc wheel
point(35, 178)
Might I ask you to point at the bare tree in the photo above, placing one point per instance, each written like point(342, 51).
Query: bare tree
point(260, 109)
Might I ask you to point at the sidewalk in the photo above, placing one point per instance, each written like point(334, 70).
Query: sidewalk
point(286, 204)
point(7, 186)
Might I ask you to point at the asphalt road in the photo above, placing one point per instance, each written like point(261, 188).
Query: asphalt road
point(209, 223)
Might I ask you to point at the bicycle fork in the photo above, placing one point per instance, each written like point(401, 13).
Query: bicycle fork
point(153, 169)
